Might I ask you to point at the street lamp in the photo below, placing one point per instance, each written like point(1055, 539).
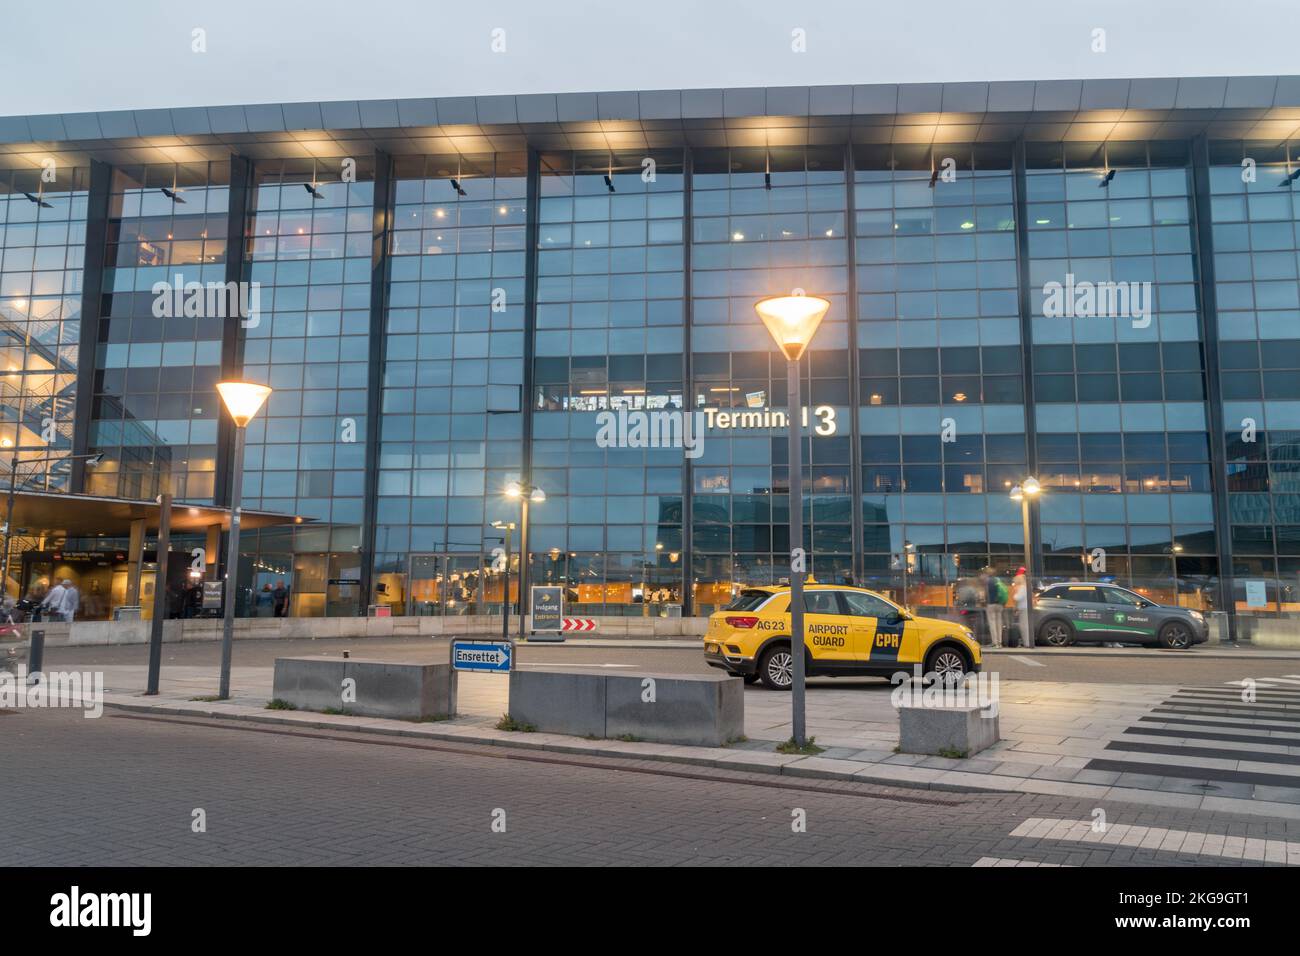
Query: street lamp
point(505, 527)
point(1024, 493)
point(908, 550)
point(792, 320)
point(243, 400)
point(525, 493)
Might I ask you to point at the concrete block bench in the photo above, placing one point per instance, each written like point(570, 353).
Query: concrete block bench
point(946, 730)
point(699, 709)
point(383, 688)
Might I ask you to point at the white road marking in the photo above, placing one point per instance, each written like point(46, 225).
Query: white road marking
point(1004, 861)
point(1027, 660)
point(1160, 838)
point(567, 664)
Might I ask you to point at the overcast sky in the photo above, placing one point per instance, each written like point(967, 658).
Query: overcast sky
point(79, 55)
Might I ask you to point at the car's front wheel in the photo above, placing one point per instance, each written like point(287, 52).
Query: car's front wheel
point(1176, 636)
point(776, 669)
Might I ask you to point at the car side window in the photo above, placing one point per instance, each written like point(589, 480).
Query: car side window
point(866, 605)
point(820, 602)
point(1116, 596)
point(1086, 595)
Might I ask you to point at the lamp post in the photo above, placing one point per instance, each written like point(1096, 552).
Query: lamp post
point(1025, 492)
point(505, 527)
point(243, 400)
point(792, 321)
point(525, 493)
point(7, 443)
point(908, 549)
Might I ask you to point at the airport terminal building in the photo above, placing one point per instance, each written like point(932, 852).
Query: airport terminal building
point(1090, 282)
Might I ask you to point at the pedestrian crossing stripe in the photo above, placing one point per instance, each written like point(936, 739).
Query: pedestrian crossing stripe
point(1162, 839)
point(1005, 861)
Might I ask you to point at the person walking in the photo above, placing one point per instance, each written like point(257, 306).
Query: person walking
point(52, 606)
point(995, 597)
point(63, 601)
point(1020, 595)
point(281, 598)
point(71, 602)
point(265, 601)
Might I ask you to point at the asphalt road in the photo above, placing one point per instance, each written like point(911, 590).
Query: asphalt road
point(124, 790)
point(1127, 666)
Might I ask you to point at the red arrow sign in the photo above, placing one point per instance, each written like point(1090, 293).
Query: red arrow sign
point(578, 624)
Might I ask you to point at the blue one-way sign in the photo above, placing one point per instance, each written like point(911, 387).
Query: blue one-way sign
point(493, 656)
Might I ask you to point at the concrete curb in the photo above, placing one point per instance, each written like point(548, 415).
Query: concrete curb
point(1239, 653)
point(954, 780)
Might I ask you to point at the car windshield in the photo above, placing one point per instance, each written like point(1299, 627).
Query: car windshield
point(747, 601)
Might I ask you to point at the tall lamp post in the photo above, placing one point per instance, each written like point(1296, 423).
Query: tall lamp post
point(792, 320)
point(908, 550)
point(505, 527)
point(7, 443)
point(1026, 492)
point(525, 493)
point(243, 400)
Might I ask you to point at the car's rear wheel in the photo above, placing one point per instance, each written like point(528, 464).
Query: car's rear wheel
point(777, 668)
point(1056, 633)
point(945, 664)
point(1176, 636)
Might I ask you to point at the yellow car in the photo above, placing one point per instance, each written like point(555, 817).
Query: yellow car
point(848, 631)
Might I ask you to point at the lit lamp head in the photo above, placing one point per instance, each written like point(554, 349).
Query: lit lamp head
point(537, 496)
point(243, 399)
point(1017, 494)
point(513, 489)
point(1030, 486)
point(792, 321)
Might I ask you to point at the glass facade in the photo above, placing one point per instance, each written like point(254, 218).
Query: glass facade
point(610, 333)
point(767, 222)
point(452, 389)
point(1256, 233)
point(940, 384)
point(1121, 399)
point(155, 410)
point(1082, 312)
point(308, 248)
point(42, 241)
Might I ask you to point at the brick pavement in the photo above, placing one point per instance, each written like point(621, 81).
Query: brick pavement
point(120, 791)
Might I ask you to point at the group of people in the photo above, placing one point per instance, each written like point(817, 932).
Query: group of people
point(60, 603)
point(272, 601)
point(998, 598)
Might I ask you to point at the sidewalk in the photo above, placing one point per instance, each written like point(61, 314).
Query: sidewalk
point(1156, 745)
